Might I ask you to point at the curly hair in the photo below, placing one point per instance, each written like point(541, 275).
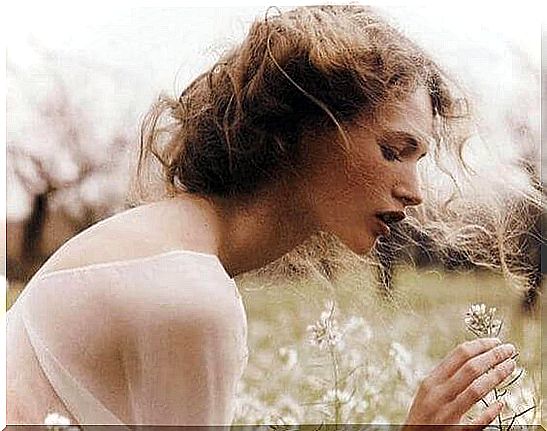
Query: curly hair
point(238, 127)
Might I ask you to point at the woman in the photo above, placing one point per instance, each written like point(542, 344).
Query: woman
point(315, 123)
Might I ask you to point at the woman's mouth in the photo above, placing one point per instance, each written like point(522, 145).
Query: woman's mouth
point(387, 218)
point(384, 229)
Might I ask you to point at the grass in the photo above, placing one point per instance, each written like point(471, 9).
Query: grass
point(391, 348)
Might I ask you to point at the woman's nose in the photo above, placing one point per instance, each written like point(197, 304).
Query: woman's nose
point(408, 196)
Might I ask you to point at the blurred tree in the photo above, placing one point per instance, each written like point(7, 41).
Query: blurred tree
point(72, 178)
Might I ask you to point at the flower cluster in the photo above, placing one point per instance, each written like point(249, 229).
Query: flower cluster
point(325, 332)
point(57, 422)
point(55, 419)
point(288, 356)
point(482, 322)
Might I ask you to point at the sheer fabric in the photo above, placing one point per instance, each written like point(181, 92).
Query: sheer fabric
point(180, 331)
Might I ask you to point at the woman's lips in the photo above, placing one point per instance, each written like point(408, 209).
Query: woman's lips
point(383, 228)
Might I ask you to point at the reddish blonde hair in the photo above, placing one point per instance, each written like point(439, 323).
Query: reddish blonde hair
point(238, 125)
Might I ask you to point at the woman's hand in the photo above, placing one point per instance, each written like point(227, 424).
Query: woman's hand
point(461, 380)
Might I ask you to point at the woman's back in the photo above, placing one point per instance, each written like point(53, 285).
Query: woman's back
point(146, 230)
point(157, 339)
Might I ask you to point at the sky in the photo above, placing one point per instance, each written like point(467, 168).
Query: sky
point(92, 31)
point(130, 54)
point(74, 27)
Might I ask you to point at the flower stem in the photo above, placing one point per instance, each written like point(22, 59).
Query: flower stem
point(337, 416)
point(499, 415)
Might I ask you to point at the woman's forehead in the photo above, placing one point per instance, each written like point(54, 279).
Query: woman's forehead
point(412, 117)
point(415, 113)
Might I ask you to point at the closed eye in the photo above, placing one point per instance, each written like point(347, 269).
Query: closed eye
point(389, 153)
point(399, 145)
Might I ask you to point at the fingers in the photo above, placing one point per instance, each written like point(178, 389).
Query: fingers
point(475, 368)
point(482, 386)
point(486, 417)
point(459, 356)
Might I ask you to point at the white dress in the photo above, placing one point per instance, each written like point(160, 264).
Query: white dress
point(179, 365)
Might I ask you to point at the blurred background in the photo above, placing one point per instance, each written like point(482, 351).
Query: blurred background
point(78, 84)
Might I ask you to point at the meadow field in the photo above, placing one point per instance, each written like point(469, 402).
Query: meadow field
point(385, 347)
point(369, 372)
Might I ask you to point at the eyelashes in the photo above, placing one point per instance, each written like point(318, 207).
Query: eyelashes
point(389, 153)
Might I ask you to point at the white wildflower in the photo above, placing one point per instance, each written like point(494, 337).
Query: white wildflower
point(360, 327)
point(376, 377)
point(288, 407)
point(249, 407)
point(362, 406)
point(325, 333)
point(353, 358)
point(400, 353)
point(344, 399)
point(289, 357)
point(279, 422)
point(403, 363)
point(55, 419)
point(482, 321)
point(380, 420)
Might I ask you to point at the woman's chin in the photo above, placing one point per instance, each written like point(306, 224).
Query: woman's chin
point(363, 246)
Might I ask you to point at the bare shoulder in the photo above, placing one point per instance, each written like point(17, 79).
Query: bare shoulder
point(135, 233)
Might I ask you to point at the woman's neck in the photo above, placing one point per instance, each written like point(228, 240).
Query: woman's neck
point(253, 234)
point(249, 233)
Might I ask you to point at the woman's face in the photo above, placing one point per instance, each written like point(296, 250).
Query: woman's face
point(355, 196)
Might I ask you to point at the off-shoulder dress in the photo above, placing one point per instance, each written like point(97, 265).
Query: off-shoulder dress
point(159, 340)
